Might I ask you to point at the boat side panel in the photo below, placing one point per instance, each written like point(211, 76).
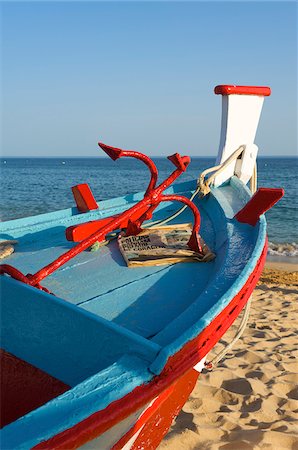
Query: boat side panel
point(68, 343)
point(107, 440)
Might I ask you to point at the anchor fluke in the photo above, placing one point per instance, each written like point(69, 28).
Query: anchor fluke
point(113, 152)
point(181, 162)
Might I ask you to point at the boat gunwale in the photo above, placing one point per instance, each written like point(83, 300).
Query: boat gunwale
point(106, 208)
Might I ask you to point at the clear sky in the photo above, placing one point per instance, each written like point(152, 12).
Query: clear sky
point(141, 74)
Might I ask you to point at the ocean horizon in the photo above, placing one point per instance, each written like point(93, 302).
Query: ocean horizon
point(36, 185)
point(3, 157)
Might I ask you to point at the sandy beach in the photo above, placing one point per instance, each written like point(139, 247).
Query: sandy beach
point(249, 401)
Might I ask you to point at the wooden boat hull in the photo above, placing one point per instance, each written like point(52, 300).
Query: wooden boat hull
point(118, 350)
point(172, 389)
point(158, 365)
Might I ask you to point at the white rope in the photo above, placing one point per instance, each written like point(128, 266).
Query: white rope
point(213, 363)
point(204, 184)
point(7, 248)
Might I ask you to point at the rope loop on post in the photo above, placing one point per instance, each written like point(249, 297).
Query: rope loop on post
point(204, 184)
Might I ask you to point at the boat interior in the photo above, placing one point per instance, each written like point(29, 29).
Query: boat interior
point(101, 309)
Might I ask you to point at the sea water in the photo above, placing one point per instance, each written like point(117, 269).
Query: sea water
point(32, 186)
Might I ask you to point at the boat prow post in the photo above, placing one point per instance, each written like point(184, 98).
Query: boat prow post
point(241, 110)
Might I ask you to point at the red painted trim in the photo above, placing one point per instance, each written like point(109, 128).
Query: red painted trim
point(259, 203)
point(225, 89)
point(144, 417)
point(176, 367)
point(84, 198)
point(164, 409)
point(158, 425)
point(196, 349)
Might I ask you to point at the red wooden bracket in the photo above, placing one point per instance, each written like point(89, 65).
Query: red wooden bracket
point(260, 202)
point(84, 198)
point(79, 232)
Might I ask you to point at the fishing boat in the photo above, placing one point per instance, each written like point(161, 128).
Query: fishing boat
point(97, 353)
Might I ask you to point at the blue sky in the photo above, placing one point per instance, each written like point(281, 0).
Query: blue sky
point(141, 74)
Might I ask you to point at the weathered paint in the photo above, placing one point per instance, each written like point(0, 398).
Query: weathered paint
point(66, 342)
point(126, 337)
point(72, 407)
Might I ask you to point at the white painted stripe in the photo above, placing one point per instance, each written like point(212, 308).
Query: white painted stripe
point(200, 365)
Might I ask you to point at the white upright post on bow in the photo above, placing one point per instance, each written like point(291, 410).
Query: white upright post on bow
point(241, 109)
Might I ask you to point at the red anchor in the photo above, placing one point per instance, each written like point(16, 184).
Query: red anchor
point(131, 219)
point(152, 198)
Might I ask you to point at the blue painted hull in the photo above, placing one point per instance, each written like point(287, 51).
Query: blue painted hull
point(110, 329)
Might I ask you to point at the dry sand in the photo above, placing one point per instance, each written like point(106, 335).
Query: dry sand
point(250, 401)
